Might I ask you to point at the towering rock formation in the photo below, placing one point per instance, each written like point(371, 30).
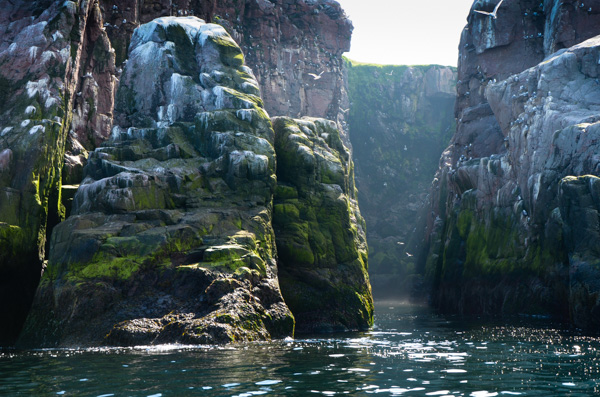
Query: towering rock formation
point(170, 237)
point(60, 63)
point(504, 240)
point(319, 231)
point(400, 121)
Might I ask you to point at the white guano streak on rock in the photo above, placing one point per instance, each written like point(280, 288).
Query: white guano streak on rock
point(211, 30)
point(146, 32)
point(37, 128)
point(245, 114)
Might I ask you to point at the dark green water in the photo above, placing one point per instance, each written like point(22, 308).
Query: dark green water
point(409, 352)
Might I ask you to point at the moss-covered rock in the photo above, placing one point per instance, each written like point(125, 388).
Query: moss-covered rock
point(170, 236)
point(320, 233)
point(522, 223)
point(487, 266)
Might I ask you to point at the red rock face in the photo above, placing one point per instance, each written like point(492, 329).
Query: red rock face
point(492, 174)
point(490, 50)
point(570, 22)
point(96, 87)
point(283, 41)
point(524, 32)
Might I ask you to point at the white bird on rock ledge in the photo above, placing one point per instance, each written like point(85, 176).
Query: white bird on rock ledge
point(314, 76)
point(493, 13)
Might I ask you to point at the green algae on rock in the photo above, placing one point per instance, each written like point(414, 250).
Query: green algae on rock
point(170, 236)
point(319, 231)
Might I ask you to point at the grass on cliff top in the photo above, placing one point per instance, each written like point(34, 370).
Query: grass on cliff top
point(353, 63)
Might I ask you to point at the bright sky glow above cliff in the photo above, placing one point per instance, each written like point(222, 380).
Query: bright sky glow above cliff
point(406, 32)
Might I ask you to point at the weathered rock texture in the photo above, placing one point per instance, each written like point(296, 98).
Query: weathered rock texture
point(400, 121)
point(60, 62)
point(283, 42)
point(170, 237)
point(504, 240)
point(49, 53)
point(319, 230)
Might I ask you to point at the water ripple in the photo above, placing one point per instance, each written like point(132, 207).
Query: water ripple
point(410, 352)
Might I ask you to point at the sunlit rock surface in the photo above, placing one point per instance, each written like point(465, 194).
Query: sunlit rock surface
point(283, 41)
point(170, 236)
point(400, 121)
point(45, 63)
point(503, 225)
point(319, 230)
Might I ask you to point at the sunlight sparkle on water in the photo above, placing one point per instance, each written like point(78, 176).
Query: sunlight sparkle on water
point(412, 352)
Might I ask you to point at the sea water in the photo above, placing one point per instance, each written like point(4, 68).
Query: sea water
point(410, 352)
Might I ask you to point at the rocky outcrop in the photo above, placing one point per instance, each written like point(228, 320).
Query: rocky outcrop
point(61, 62)
point(400, 121)
point(46, 62)
point(319, 231)
point(170, 236)
point(503, 241)
point(283, 41)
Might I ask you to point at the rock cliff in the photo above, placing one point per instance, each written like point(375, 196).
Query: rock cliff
point(61, 62)
point(50, 52)
point(170, 235)
point(400, 120)
point(512, 187)
point(320, 234)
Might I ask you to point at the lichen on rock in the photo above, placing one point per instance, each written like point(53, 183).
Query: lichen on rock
point(170, 236)
point(319, 231)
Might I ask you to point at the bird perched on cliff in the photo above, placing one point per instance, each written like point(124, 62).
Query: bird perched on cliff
point(314, 76)
point(493, 13)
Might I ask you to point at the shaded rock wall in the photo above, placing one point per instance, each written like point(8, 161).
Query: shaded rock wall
point(500, 242)
point(319, 231)
point(46, 61)
point(400, 120)
point(170, 237)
